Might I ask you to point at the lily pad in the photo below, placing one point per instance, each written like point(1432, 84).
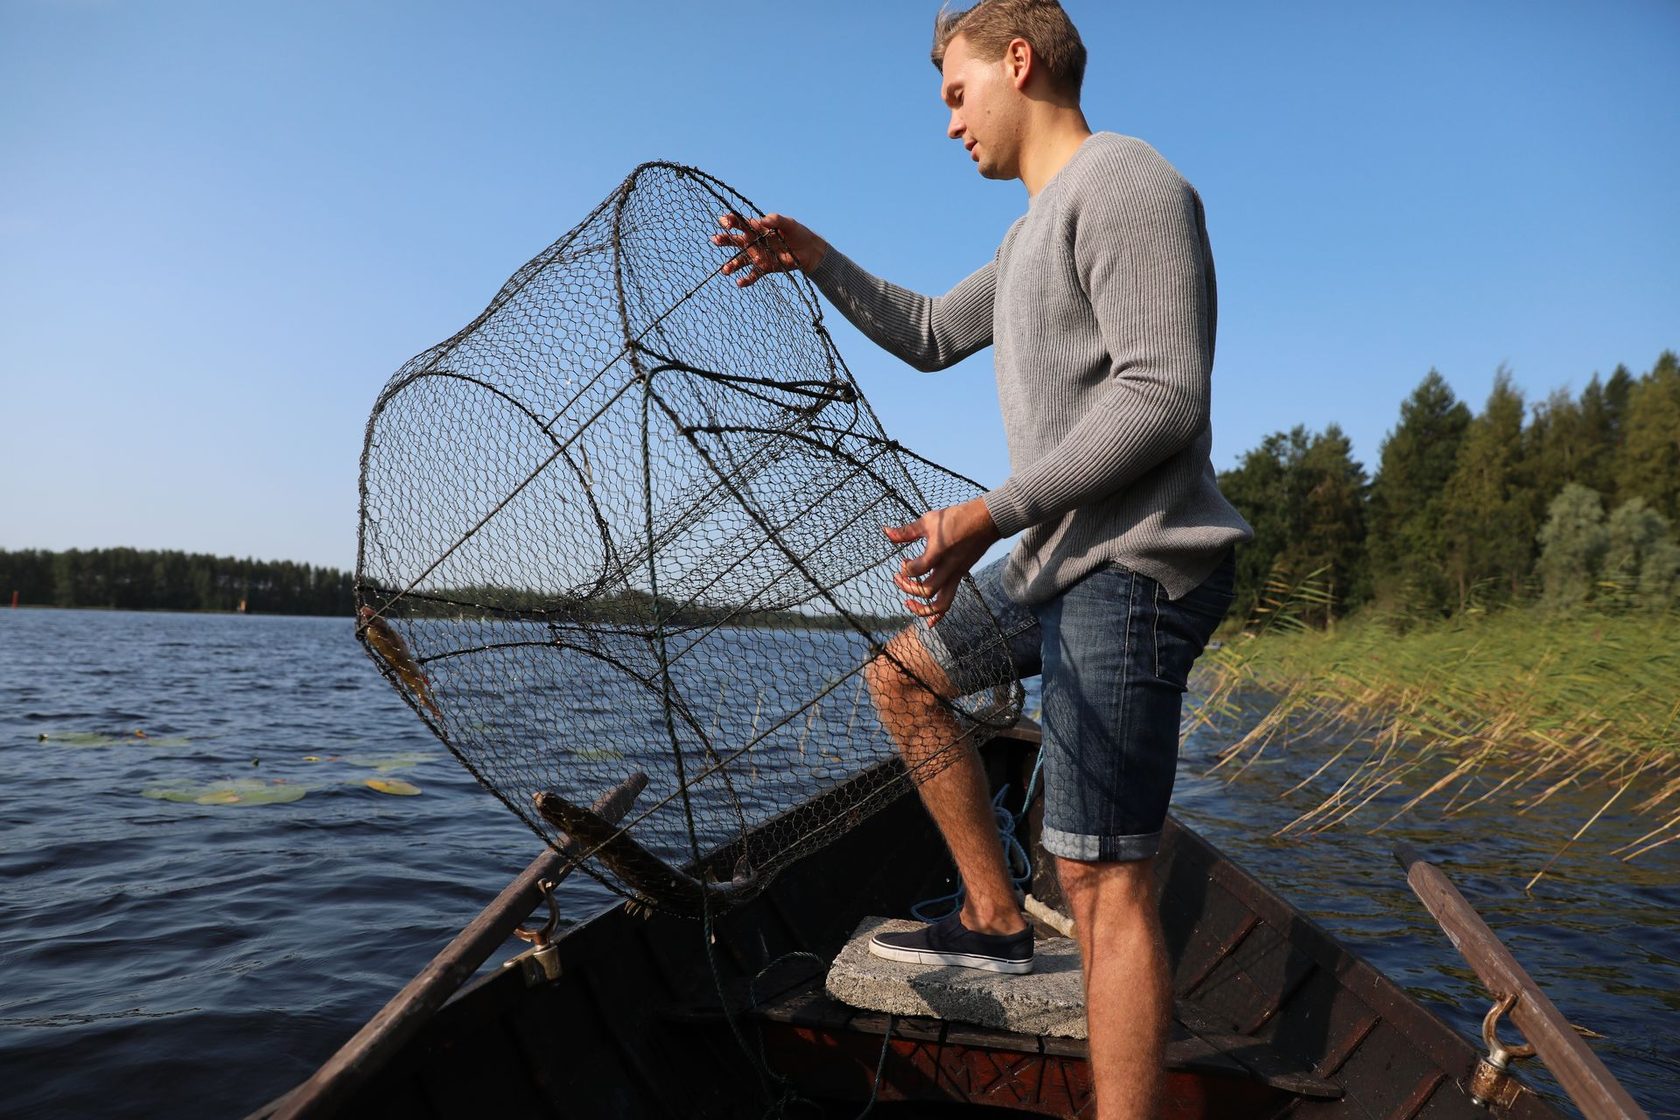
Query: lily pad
point(110, 738)
point(247, 791)
point(385, 763)
point(395, 786)
point(597, 754)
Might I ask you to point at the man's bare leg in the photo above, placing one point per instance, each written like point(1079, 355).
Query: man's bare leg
point(1128, 983)
point(952, 785)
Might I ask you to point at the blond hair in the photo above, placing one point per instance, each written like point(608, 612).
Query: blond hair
point(991, 25)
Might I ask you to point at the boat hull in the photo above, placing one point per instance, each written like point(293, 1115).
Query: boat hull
point(648, 1018)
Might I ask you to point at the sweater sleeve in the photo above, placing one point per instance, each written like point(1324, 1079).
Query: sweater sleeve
point(930, 333)
point(1139, 248)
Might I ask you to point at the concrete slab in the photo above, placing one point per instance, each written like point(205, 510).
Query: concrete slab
point(1048, 1000)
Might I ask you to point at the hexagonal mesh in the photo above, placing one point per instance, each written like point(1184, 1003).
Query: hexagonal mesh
point(628, 521)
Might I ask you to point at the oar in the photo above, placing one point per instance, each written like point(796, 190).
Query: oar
point(385, 1034)
point(1593, 1088)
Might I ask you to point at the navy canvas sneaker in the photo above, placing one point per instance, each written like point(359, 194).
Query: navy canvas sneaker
point(948, 941)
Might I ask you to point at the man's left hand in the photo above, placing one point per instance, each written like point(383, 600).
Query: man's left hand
point(957, 536)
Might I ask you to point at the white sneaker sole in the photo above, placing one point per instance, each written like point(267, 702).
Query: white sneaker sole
point(959, 960)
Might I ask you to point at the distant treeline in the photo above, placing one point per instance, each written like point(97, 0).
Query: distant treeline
point(627, 607)
point(137, 579)
point(143, 579)
point(1568, 500)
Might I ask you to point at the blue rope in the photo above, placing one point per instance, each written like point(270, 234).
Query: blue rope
point(1032, 788)
point(1015, 857)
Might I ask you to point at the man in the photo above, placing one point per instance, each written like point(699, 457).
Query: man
point(1100, 305)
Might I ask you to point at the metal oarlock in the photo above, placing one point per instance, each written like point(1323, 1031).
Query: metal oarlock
point(541, 962)
point(1491, 1083)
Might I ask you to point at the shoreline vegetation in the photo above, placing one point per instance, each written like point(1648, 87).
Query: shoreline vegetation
point(1495, 614)
point(1513, 705)
point(171, 580)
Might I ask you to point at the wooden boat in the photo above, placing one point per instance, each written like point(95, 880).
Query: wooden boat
point(1274, 1018)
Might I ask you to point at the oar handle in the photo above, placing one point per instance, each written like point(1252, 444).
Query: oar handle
point(1592, 1087)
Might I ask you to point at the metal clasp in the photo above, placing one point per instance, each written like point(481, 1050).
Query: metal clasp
point(1491, 1083)
point(541, 962)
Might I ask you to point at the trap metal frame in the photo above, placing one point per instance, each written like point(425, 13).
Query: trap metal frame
point(628, 520)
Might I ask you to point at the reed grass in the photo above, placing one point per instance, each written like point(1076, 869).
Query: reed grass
point(1513, 705)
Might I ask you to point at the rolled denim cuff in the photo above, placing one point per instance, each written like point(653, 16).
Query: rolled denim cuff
point(1108, 849)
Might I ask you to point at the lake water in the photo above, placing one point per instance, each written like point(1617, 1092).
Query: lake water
point(165, 948)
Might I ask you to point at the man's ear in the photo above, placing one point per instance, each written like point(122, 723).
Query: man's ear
point(1019, 62)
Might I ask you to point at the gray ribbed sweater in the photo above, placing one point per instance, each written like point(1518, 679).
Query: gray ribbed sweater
point(1101, 306)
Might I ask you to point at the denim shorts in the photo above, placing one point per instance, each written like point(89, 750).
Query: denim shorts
point(1115, 654)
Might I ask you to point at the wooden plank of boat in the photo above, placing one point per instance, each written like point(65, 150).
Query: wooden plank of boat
point(1592, 1087)
point(1251, 964)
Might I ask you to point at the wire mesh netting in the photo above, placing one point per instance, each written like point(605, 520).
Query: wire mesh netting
point(626, 524)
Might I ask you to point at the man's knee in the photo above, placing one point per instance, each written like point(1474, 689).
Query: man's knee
point(884, 678)
point(1111, 887)
point(903, 676)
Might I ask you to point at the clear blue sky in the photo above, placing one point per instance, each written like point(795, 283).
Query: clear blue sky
point(223, 226)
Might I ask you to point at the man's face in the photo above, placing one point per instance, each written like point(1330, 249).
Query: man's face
point(984, 107)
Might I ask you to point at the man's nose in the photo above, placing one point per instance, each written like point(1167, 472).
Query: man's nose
point(955, 129)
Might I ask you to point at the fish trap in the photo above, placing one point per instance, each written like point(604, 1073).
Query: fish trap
point(627, 523)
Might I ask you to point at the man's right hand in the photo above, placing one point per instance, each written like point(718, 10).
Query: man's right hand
point(773, 243)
